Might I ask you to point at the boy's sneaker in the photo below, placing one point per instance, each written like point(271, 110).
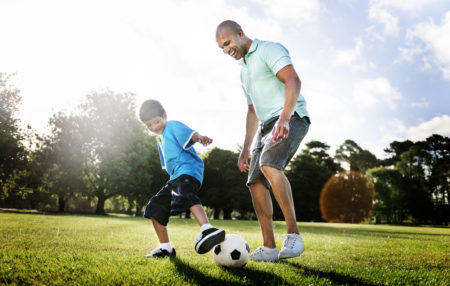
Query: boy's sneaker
point(208, 238)
point(160, 253)
point(263, 253)
point(292, 246)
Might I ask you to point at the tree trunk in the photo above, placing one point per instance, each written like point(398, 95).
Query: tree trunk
point(227, 214)
point(61, 203)
point(130, 207)
point(187, 214)
point(101, 202)
point(216, 213)
point(139, 208)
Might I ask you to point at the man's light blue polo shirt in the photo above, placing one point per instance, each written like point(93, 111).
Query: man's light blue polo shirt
point(177, 155)
point(259, 81)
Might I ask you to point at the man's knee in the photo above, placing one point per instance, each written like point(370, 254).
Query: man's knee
point(269, 171)
point(256, 186)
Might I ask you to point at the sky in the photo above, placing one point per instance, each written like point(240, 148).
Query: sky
point(372, 71)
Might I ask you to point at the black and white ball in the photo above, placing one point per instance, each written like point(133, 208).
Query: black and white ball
point(232, 252)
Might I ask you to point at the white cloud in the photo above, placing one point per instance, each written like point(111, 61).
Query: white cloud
point(438, 125)
point(368, 93)
point(384, 17)
point(404, 5)
point(386, 13)
point(433, 45)
point(293, 10)
point(397, 130)
point(350, 58)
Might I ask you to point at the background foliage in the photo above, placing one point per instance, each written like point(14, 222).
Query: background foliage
point(101, 159)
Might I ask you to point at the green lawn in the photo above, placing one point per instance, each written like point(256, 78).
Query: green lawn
point(49, 249)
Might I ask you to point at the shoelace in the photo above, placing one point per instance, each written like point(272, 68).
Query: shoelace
point(258, 251)
point(290, 241)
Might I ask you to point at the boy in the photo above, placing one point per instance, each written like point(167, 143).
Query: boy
point(185, 168)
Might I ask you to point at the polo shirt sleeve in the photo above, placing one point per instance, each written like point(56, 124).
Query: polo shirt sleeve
point(276, 57)
point(183, 134)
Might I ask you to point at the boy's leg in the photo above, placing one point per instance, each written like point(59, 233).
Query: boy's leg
point(158, 211)
point(161, 231)
point(210, 236)
point(199, 214)
point(165, 248)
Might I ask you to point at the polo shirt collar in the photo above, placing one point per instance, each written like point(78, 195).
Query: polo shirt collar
point(252, 48)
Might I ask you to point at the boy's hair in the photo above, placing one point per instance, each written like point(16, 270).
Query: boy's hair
point(150, 109)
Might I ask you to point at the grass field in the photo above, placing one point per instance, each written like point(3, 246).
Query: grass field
point(50, 249)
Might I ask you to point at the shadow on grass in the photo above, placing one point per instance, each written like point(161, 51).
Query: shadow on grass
point(246, 276)
point(335, 277)
point(193, 275)
point(249, 276)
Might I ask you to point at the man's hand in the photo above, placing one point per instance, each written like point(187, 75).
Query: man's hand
point(204, 140)
point(243, 160)
point(280, 130)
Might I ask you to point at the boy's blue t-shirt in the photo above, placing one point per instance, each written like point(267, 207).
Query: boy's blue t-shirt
point(177, 155)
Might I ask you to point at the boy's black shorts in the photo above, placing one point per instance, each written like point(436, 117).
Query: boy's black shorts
point(174, 198)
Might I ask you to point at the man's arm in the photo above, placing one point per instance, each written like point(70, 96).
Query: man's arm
point(292, 85)
point(251, 126)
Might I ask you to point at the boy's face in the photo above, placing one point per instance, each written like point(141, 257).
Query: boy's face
point(157, 124)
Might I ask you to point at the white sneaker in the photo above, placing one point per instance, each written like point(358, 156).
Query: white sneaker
point(292, 246)
point(263, 253)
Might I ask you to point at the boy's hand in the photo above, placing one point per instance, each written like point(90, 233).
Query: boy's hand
point(204, 140)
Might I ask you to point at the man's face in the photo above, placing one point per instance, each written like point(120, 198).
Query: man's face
point(156, 124)
point(232, 44)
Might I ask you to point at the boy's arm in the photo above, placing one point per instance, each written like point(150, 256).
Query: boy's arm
point(204, 140)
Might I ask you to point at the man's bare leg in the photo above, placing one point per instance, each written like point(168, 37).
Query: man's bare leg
point(283, 194)
point(262, 203)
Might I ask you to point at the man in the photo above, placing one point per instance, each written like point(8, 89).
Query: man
point(272, 88)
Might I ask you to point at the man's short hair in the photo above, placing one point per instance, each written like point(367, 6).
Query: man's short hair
point(230, 26)
point(150, 109)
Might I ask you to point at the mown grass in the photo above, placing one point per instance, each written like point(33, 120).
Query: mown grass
point(50, 249)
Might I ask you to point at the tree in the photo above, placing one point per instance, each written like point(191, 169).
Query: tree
point(438, 149)
point(391, 192)
point(145, 176)
point(109, 127)
point(418, 197)
point(62, 158)
point(307, 173)
point(14, 153)
point(223, 185)
point(396, 149)
point(358, 158)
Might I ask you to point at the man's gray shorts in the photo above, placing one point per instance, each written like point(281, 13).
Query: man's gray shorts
point(275, 154)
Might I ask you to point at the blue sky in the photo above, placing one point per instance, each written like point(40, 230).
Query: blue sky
point(372, 71)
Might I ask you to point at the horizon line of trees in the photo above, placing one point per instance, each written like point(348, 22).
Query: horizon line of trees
point(102, 157)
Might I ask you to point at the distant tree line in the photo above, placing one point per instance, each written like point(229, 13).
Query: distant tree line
point(101, 158)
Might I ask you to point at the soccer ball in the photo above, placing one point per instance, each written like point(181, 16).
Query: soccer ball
point(232, 252)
